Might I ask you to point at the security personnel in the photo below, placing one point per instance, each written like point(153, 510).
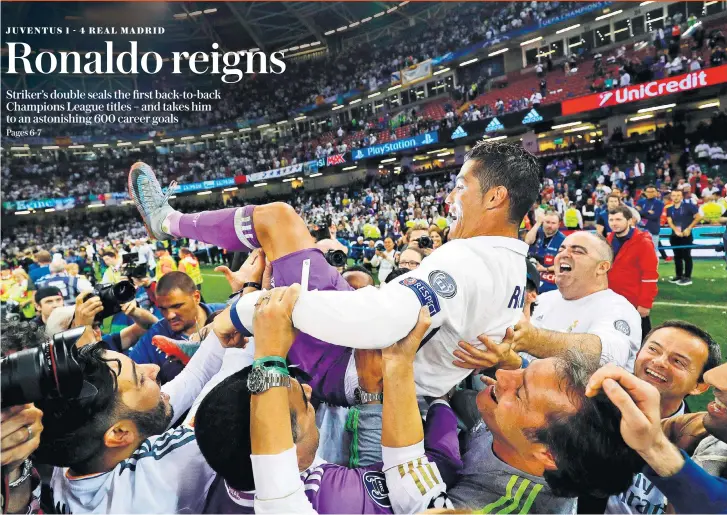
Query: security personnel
point(189, 264)
point(165, 262)
point(573, 219)
point(545, 239)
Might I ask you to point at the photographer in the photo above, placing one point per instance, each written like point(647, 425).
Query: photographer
point(413, 237)
point(88, 306)
point(146, 288)
point(184, 315)
point(115, 264)
point(46, 300)
point(385, 259)
point(111, 447)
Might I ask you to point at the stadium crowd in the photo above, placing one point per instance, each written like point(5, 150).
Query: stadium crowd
point(472, 338)
point(365, 66)
point(562, 392)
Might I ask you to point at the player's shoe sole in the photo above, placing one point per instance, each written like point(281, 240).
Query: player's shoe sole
point(152, 203)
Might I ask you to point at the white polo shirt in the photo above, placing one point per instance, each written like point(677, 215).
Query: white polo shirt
point(605, 314)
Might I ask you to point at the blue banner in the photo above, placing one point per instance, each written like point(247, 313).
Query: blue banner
point(395, 146)
point(44, 203)
point(205, 185)
point(575, 12)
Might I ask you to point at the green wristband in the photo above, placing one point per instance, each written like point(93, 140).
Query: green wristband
point(265, 360)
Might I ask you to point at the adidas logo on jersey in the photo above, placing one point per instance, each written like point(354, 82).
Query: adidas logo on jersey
point(494, 125)
point(532, 117)
point(459, 132)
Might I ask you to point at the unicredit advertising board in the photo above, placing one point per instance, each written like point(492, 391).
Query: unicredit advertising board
point(647, 90)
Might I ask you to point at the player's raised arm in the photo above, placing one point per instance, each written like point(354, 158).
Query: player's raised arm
point(373, 318)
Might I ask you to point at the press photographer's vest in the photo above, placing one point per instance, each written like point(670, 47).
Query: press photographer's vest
point(571, 218)
point(164, 260)
point(191, 268)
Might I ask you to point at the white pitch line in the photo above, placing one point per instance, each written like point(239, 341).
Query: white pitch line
point(684, 305)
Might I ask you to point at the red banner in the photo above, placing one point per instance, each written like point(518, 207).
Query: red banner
point(336, 159)
point(647, 90)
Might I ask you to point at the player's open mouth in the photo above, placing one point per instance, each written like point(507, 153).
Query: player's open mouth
point(655, 376)
point(493, 394)
point(565, 267)
point(717, 408)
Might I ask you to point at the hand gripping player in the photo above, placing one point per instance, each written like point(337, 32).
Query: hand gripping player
point(473, 285)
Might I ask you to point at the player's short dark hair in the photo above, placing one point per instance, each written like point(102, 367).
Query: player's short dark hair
point(396, 272)
point(589, 452)
point(511, 166)
point(613, 195)
point(109, 252)
point(222, 428)
point(184, 250)
point(362, 269)
point(714, 352)
point(175, 281)
point(624, 210)
point(20, 335)
point(73, 429)
point(649, 186)
point(43, 256)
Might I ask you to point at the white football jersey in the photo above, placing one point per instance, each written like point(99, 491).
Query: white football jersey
point(471, 286)
point(166, 474)
point(479, 288)
point(605, 314)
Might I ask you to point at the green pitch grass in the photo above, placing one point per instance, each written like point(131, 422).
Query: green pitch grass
point(704, 303)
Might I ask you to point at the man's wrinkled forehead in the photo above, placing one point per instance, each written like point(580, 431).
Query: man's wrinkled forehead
point(578, 241)
point(545, 389)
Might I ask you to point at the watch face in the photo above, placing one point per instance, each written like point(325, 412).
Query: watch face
point(357, 395)
point(256, 380)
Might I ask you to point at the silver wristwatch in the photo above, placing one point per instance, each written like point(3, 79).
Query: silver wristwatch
point(361, 396)
point(261, 379)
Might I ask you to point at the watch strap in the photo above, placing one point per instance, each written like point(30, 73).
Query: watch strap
point(363, 397)
point(261, 379)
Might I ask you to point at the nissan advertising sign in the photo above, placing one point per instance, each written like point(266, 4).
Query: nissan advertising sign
point(647, 90)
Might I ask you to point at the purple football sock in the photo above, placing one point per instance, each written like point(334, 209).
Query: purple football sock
point(230, 228)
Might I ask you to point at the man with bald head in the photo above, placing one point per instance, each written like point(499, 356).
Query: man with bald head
point(583, 313)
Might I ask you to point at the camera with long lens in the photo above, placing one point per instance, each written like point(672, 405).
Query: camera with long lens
point(113, 296)
point(336, 258)
point(425, 242)
point(48, 371)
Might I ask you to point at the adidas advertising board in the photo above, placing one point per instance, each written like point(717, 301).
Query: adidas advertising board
point(459, 132)
point(532, 117)
point(489, 126)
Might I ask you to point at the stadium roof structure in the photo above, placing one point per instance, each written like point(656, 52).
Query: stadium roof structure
point(235, 26)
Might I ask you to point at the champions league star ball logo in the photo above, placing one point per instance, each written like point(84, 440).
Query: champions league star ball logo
point(443, 284)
